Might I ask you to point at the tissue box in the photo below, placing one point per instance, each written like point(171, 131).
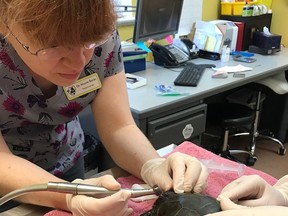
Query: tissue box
point(134, 61)
point(267, 41)
point(265, 44)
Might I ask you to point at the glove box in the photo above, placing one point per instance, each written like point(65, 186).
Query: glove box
point(177, 127)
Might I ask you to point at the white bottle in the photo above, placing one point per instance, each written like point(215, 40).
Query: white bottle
point(225, 54)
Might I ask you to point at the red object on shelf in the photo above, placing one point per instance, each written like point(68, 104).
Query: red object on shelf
point(239, 42)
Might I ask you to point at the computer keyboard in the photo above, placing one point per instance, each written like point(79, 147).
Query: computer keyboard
point(191, 74)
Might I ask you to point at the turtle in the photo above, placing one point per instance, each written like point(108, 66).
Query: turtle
point(187, 204)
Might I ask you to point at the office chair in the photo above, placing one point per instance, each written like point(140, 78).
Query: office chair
point(231, 117)
point(241, 112)
point(254, 100)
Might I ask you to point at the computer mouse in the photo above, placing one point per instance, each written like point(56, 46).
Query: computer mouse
point(220, 75)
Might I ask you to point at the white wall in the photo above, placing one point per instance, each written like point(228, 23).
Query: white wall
point(191, 12)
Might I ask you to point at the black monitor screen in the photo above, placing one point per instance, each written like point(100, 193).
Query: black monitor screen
point(155, 19)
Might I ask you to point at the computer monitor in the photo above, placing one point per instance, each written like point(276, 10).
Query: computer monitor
point(155, 19)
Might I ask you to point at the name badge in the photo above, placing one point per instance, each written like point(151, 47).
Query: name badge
point(83, 86)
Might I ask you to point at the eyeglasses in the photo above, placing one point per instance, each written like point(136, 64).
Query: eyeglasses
point(54, 53)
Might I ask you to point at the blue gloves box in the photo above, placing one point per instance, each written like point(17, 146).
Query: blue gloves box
point(134, 60)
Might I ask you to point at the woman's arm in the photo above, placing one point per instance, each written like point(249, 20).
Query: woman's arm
point(17, 173)
point(132, 151)
point(126, 144)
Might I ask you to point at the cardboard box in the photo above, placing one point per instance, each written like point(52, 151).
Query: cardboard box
point(134, 61)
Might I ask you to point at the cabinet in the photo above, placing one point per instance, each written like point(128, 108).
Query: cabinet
point(251, 24)
point(175, 125)
point(187, 124)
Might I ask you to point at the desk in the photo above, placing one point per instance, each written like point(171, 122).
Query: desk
point(164, 119)
point(174, 119)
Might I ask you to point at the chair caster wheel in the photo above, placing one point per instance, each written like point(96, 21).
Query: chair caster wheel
point(216, 149)
point(281, 151)
point(250, 161)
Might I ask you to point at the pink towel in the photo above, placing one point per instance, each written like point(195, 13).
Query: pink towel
point(216, 180)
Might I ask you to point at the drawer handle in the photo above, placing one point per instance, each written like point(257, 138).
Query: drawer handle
point(187, 131)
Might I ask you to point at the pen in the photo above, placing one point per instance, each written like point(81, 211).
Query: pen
point(172, 93)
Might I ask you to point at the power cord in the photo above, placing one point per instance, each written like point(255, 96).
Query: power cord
point(22, 191)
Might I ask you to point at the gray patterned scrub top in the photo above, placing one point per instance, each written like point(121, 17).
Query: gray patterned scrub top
point(46, 131)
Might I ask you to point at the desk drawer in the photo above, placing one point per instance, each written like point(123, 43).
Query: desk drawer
point(177, 127)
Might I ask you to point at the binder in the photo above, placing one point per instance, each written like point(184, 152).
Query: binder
point(239, 42)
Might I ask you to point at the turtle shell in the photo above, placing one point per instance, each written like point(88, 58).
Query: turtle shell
point(186, 204)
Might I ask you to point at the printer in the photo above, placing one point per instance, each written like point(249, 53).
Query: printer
point(265, 44)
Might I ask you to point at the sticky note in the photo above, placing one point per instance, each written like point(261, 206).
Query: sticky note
point(143, 46)
point(169, 39)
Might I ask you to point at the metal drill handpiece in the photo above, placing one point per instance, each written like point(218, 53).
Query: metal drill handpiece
point(80, 189)
point(157, 190)
point(140, 192)
point(94, 191)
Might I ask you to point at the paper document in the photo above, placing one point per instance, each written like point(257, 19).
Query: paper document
point(232, 69)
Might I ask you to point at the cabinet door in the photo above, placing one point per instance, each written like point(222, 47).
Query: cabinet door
point(177, 127)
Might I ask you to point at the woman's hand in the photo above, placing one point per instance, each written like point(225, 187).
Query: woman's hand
point(116, 204)
point(250, 191)
point(253, 196)
point(254, 211)
point(179, 171)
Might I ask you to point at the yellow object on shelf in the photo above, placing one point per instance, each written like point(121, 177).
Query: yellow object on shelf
point(226, 8)
point(252, 2)
point(267, 3)
point(238, 8)
point(232, 8)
